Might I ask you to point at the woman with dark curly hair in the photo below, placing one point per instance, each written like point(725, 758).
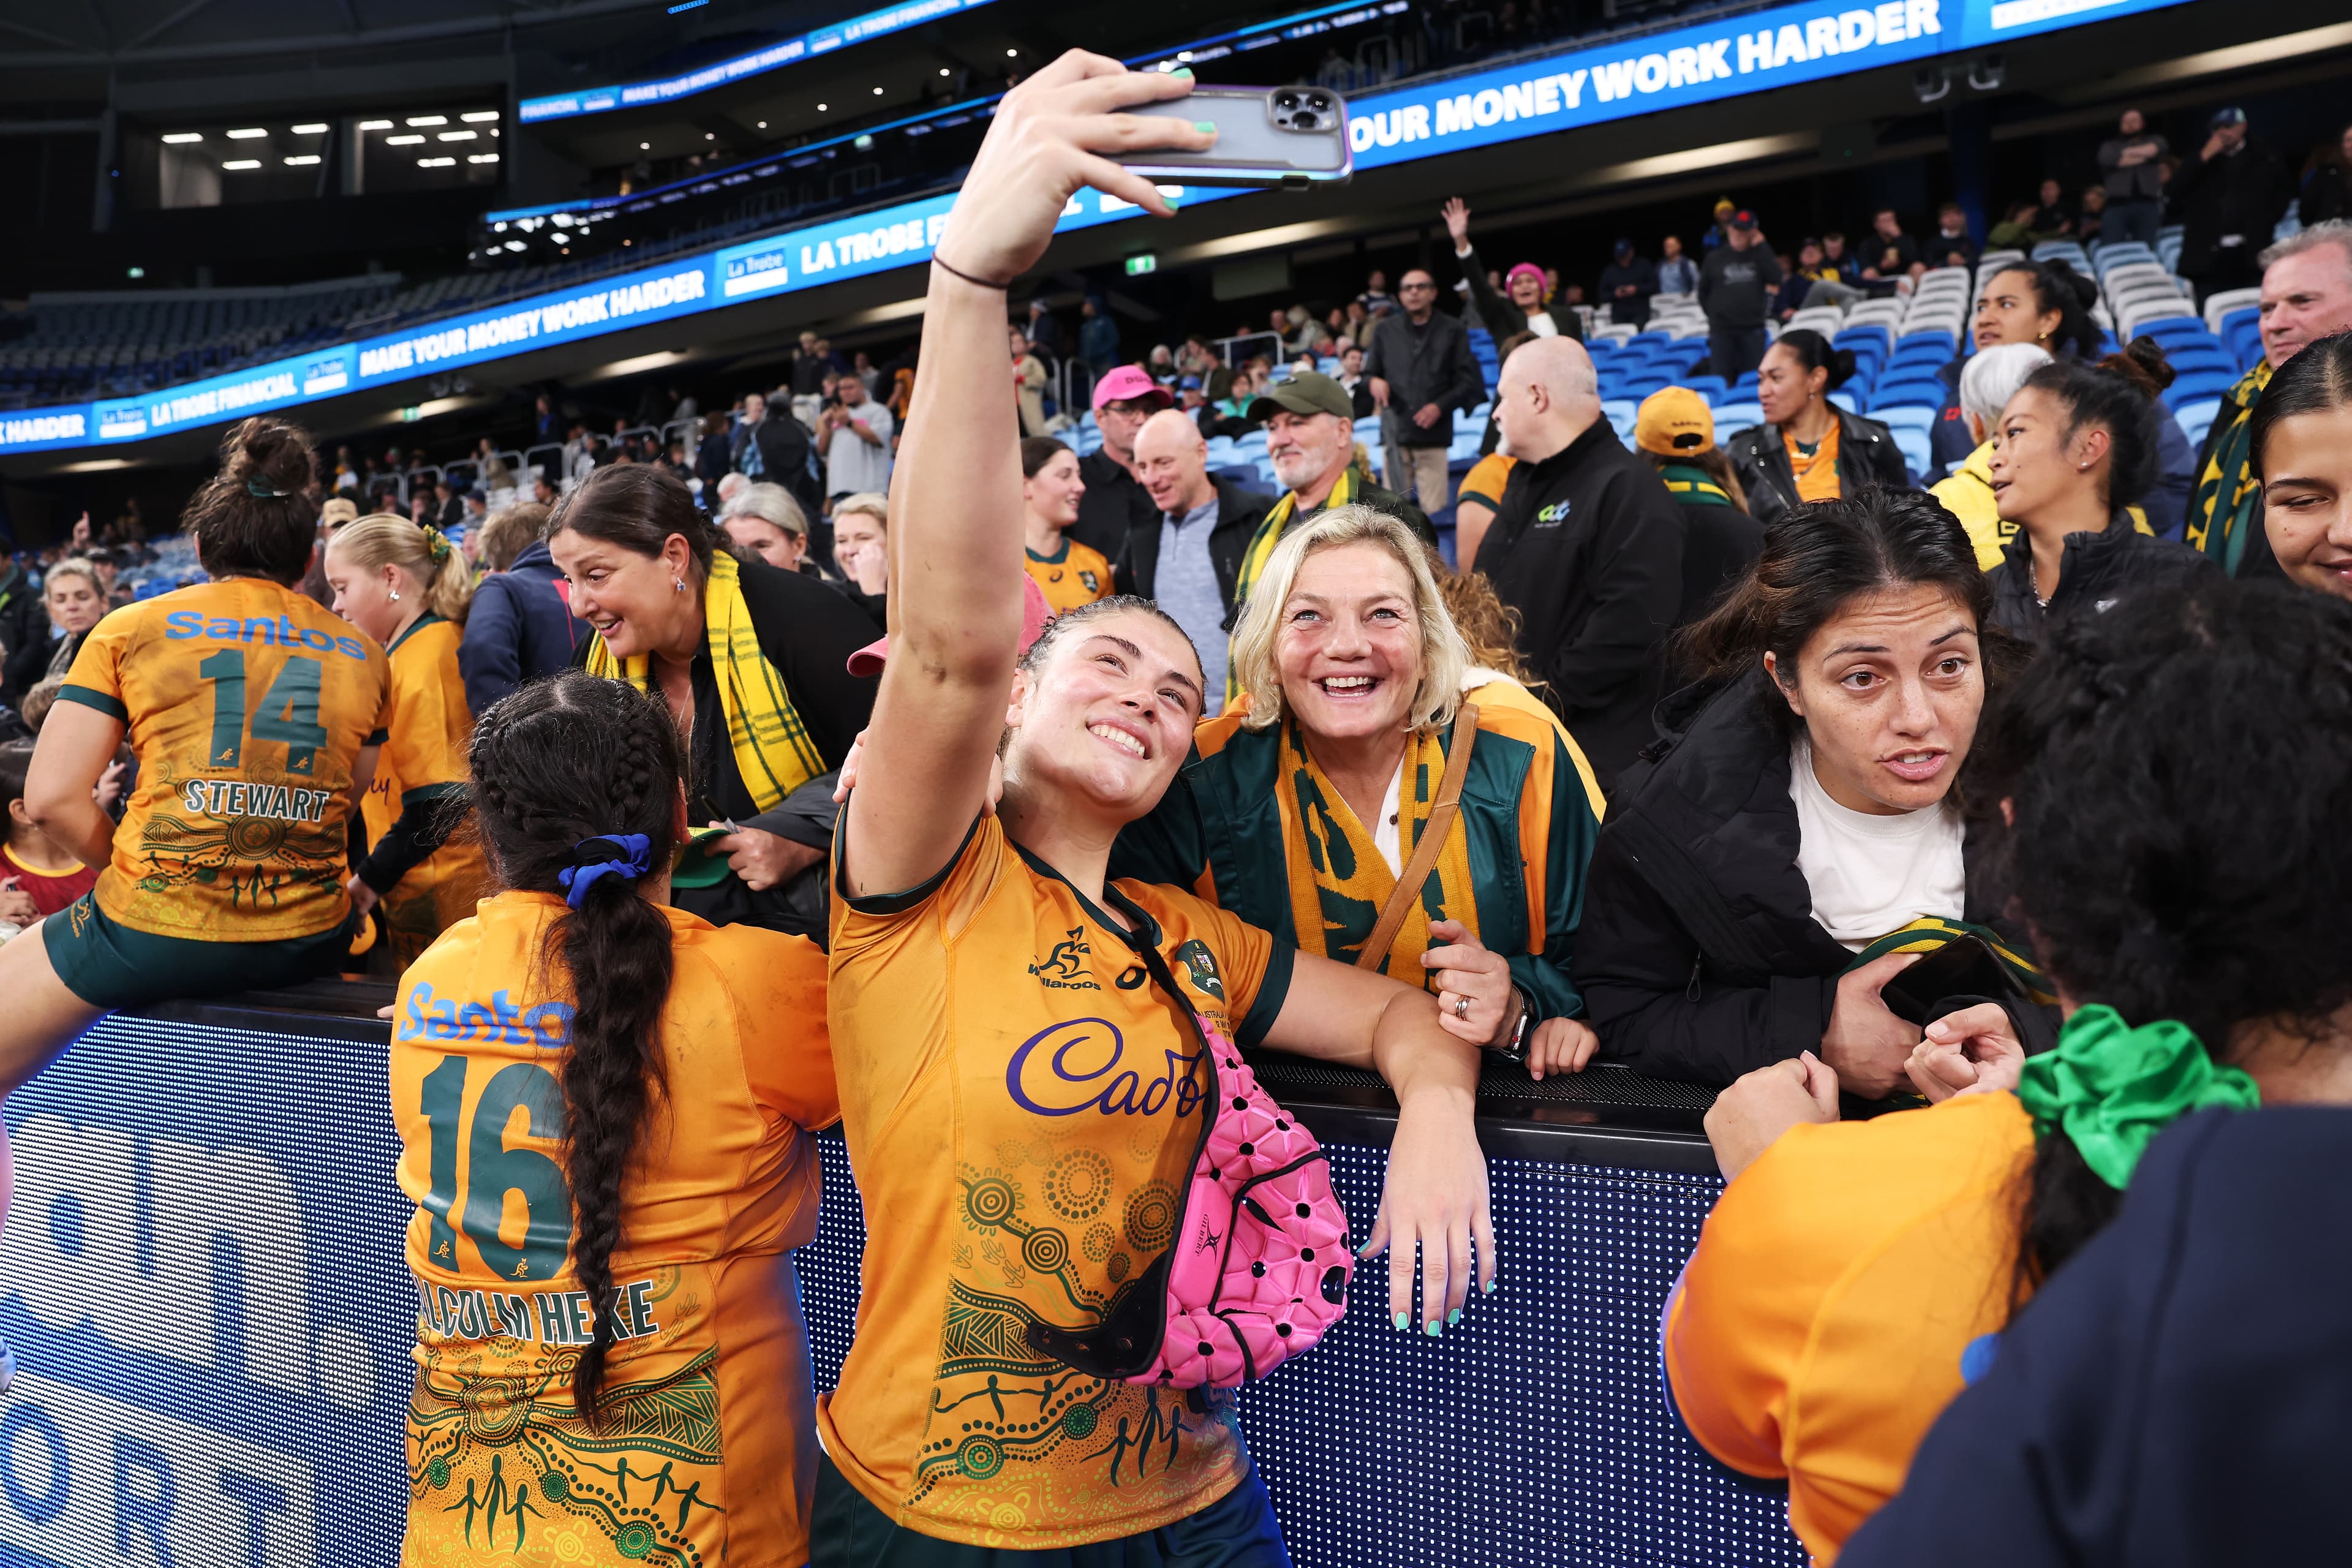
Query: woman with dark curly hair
point(2078, 444)
point(1793, 843)
point(1855, 1275)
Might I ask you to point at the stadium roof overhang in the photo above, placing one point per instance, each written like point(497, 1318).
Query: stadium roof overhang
point(716, 310)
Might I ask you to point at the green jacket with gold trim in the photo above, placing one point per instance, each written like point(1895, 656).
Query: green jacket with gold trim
point(1530, 810)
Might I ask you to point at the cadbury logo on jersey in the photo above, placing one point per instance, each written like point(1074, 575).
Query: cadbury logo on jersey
point(280, 632)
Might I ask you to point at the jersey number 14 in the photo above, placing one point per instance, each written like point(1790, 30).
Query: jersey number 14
point(289, 711)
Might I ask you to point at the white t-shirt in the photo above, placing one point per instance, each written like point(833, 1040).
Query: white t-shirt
point(1871, 875)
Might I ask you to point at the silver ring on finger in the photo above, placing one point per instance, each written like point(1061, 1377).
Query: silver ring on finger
point(1461, 1007)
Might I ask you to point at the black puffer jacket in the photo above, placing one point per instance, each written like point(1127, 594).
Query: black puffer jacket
point(1867, 454)
point(2094, 571)
point(1698, 956)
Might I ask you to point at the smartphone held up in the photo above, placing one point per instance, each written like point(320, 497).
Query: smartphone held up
point(1288, 137)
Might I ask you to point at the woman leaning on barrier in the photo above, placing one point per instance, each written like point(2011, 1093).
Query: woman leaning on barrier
point(1854, 1275)
point(1317, 806)
point(1795, 841)
point(751, 664)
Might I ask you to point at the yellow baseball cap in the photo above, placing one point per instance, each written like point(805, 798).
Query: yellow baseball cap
point(1674, 422)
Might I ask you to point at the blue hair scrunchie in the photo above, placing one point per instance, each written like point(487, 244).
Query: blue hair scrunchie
point(630, 859)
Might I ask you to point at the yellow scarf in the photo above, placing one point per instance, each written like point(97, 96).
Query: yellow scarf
point(1269, 535)
point(1340, 882)
point(772, 746)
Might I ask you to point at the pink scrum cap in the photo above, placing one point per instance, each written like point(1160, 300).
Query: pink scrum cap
point(1127, 384)
point(1035, 613)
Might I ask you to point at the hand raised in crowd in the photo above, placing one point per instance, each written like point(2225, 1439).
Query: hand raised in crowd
point(1475, 1001)
point(1052, 134)
point(1457, 213)
point(869, 567)
point(1749, 1117)
point(1561, 1045)
point(1973, 1051)
point(16, 905)
point(1867, 1044)
point(761, 858)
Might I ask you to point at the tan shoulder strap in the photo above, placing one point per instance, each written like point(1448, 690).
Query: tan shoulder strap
point(1441, 813)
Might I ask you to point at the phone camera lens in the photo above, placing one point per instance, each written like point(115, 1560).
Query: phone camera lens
point(1319, 102)
point(1305, 121)
point(1286, 101)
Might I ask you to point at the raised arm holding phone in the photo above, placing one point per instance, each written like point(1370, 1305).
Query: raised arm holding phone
point(1023, 1079)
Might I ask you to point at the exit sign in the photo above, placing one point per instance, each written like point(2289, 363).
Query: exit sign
point(1137, 266)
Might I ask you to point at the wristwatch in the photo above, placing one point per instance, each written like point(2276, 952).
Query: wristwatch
point(1515, 1049)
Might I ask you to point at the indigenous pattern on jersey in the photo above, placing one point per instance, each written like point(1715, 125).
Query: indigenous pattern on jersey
point(1023, 1108)
point(246, 704)
point(707, 1454)
point(1071, 576)
point(424, 760)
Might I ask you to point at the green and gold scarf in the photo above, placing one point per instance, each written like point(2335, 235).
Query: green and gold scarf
point(772, 746)
point(1339, 882)
point(1929, 932)
point(2221, 512)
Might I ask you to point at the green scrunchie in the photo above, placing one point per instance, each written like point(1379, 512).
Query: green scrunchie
point(2112, 1088)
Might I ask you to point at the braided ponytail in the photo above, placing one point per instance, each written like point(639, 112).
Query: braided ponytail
point(564, 760)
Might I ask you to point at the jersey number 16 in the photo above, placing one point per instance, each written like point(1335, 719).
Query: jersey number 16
point(493, 1170)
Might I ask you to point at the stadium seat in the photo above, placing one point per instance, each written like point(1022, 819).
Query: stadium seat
point(1730, 418)
point(2195, 418)
point(1917, 453)
point(2196, 387)
point(1906, 416)
point(2221, 305)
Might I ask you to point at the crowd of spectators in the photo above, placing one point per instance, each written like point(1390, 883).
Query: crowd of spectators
point(1836, 720)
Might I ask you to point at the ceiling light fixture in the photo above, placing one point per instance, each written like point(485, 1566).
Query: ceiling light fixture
point(246, 134)
point(943, 70)
point(376, 124)
point(242, 164)
point(301, 160)
point(877, 92)
point(763, 125)
point(428, 120)
point(179, 138)
point(457, 136)
point(711, 136)
point(481, 157)
point(644, 146)
point(1010, 54)
point(316, 128)
point(436, 163)
point(820, 109)
point(480, 117)
point(402, 140)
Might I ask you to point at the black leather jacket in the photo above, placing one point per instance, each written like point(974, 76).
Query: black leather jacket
point(1867, 456)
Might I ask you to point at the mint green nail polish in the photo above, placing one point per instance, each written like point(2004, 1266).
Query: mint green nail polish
point(1454, 1316)
point(1489, 1286)
point(1401, 1320)
point(1208, 125)
point(1182, 71)
point(1435, 1328)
